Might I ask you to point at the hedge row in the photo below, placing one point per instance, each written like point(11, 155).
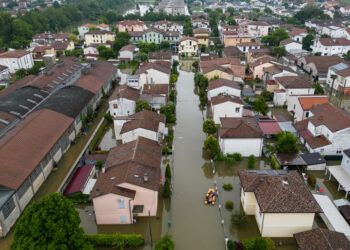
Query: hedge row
point(274, 162)
point(98, 135)
point(118, 240)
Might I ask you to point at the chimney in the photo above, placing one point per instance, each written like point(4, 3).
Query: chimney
point(145, 177)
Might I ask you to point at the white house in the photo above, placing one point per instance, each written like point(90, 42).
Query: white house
point(154, 73)
point(297, 34)
point(128, 52)
point(245, 47)
point(240, 135)
point(333, 31)
point(16, 59)
point(342, 81)
point(85, 28)
point(188, 46)
point(133, 81)
point(200, 23)
point(4, 76)
point(226, 106)
point(299, 106)
point(291, 85)
point(331, 46)
point(277, 70)
point(280, 201)
point(223, 87)
point(291, 45)
point(258, 28)
point(91, 53)
point(345, 10)
point(123, 101)
point(169, 26)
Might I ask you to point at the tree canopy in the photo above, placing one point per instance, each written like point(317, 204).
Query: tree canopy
point(211, 145)
point(165, 243)
point(287, 143)
point(51, 223)
point(308, 40)
point(275, 37)
point(209, 127)
point(310, 11)
point(142, 105)
point(259, 105)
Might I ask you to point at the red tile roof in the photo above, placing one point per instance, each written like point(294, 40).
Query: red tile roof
point(79, 179)
point(269, 127)
point(308, 102)
point(14, 54)
point(318, 141)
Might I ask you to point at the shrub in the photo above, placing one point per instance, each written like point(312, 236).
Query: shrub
point(98, 136)
point(239, 218)
point(209, 127)
point(117, 240)
point(229, 205)
point(165, 243)
point(99, 163)
point(311, 180)
point(166, 189)
point(227, 186)
point(274, 162)
point(219, 157)
point(251, 161)
point(108, 118)
point(229, 160)
point(258, 243)
point(165, 150)
point(211, 145)
point(231, 245)
point(168, 171)
point(237, 156)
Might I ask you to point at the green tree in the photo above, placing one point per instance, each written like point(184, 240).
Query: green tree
point(165, 243)
point(310, 11)
point(164, 45)
point(325, 36)
point(275, 37)
point(307, 42)
point(211, 145)
point(318, 89)
point(121, 39)
point(51, 223)
point(153, 47)
point(347, 56)
point(166, 189)
point(142, 105)
point(267, 10)
point(287, 143)
point(258, 243)
point(209, 127)
point(168, 171)
point(279, 52)
point(333, 77)
point(239, 218)
point(259, 105)
point(105, 53)
point(141, 57)
point(251, 161)
point(231, 245)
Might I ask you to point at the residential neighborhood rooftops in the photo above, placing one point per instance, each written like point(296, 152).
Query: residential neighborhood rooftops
point(23, 147)
point(279, 191)
point(269, 127)
point(322, 63)
point(297, 31)
point(164, 67)
point(308, 102)
point(188, 38)
point(294, 82)
point(201, 31)
point(334, 41)
point(219, 62)
point(321, 239)
point(126, 92)
point(214, 84)
point(290, 160)
point(344, 72)
point(160, 89)
point(14, 53)
point(98, 32)
point(287, 41)
point(246, 127)
point(248, 44)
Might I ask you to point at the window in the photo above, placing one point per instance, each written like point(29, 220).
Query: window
point(307, 114)
point(115, 106)
point(8, 207)
point(21, 191)
point(122, 219)
point(35, 173)
point(121, 203)
point(237, 110)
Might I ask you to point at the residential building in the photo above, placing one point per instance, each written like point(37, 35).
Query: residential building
point(172, 7)
point(321, 238)
point(91, 52)
point(128, 52)
point(217, 71)
point(188, 46)
point(40, 51)
point(257, 67)
point(277, 70)
point(258, 29)
point(155, 94)
point(131, 26)
point(169, 26)
point(240, 135)
point(129, 183)
point(314, 161)
point(4, 76)
point(223, 87)
point(81, 181)
point(331, 46)
point(100, 37)
point(233, 52)
point(255, 54)
point(266, 194)
point(159, 56)
point(83, 29)
point(222, 106)
point(232, 38)
point(291, 85)
point(154, 73)
point(61, 47)
point(202, 35)
point(123, 100)
point(299, 106)
point(245, 47)
point(154, 35)
point(345, 10)
point(16, 59)
point(341, 83)
point(48, 38)
point(291, 45)
point(133, 81)
point(297, 34)
point(200, 23)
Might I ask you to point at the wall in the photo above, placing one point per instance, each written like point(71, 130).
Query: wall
point(7, 223)
point(188, 47)
point(226, 109)
point(14, 64)
point(125, 107)
point(244, 146)
point(249, 202)
point(223, 90)
point(293, 46)
point(126, 54)
point(345, 163)
point(134, 134)
point(220, 74)
point(258, 70)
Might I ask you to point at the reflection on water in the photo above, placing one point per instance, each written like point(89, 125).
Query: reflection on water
point(108, 141)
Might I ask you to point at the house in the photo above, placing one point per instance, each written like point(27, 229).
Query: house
point(240, 135)
point(233, 52)
point(334, 31)
point(91, 52)
point(291, 85)
point(290, 161)
point(128, 52)
point(299, 106)
point(100, 37)
point(217, 71)
point(154, 35)
point(159, 56)
point(225, 106)
point(202, 35)
point(255, 54)
point(326, 131)
point(245, 47)
point(131, 26)
point(331, 46)
point(133, 81)
point(16, 59)
point(4, 76)
point(48, 38)
point(257, 67)
point(60, 47)
point(268, 126)
point(277, 70)
point(322, 239)
point(258, 29)
point(123, 100)
point(154, 73)
point(291, 45)
point(168, 26)
point(145, 123)
point(155, 94)
point(232, 38)
point(317, 66)
point(200, 23)
point(297, 34)
point(345, 10)
point(314, 161)
point(83, 29)
point(81, 181)
point(129, 183)
point(341, 83)
point(28, 153)
point(280, 201)
point(223, 86)
point(188, 46)
point(40, 51)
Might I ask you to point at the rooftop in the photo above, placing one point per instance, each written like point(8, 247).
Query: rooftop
point(294, 82)
point(246, 127)
point(214, 84)
point(145, 119)
point(14, 54)
point(79, 179)
point(308, 102)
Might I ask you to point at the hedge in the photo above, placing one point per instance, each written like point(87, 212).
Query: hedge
point(118, 240)
point(274, 162)
point(98, 135)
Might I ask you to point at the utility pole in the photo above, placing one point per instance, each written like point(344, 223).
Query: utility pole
point(149, 226)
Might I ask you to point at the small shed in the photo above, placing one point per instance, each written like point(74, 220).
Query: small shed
point(314, 161)
point(80, 179)
point(287, 126)
point(290, 161)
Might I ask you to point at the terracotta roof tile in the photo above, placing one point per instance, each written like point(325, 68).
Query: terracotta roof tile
point(294, 82)
point(124, 91)
point(318, 141)
point(222, 82)
point(14, 54)
point(145, 119)
point(246, 127)
point(225, 98)
point(308, 102)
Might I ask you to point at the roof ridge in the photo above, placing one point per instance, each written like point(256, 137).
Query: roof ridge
point(326, 238)
point(134, 153)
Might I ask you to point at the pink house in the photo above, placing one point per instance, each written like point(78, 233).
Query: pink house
point(129, 182)
point(131, 25)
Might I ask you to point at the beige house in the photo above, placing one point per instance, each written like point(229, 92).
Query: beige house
point(188, 46)
point(99, 37)
point(202, 34)
point(232, 38)
point(217, 71)
point(280, 201)
point(129, 182)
